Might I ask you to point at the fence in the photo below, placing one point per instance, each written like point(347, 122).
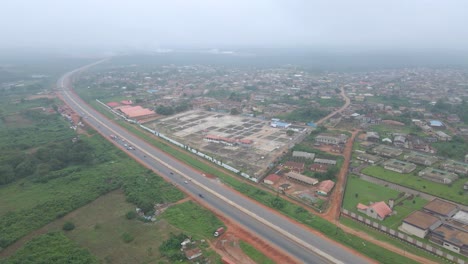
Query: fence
point(172, 141)
point(403, 236)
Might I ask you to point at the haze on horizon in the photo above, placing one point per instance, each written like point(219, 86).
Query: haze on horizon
point(146, 24)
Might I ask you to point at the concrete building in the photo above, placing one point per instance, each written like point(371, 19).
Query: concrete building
point(325, 161)
point(399, 166)
point(331, 139)
point(295, 166)
point(420, 224)
point(442, 136)
point(421, 159)
point(302, 154)
point(386, 151)
point(316, 167)
point(372, 159)
point(438, 176)
point(301, 178)
point(372, 136)
point(451, 238)
point(441, 208)
point(455, 166)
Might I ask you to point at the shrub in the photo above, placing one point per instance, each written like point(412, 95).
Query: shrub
point(131, 215)
point(68, 226)
point(127, 238)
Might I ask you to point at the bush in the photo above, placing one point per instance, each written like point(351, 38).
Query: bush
point(68, 226)
point(131, 215)
point(127, 238)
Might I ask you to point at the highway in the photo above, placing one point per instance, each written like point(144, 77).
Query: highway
point(271, 227)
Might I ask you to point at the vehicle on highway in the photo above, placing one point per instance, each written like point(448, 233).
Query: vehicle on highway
point(201, 195)
point(171, 173)
point(185, 182)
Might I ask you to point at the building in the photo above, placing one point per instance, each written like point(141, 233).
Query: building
point(379, 210)
point(302, 154)
point(295, 166)
point(461, 217)
point(436, 124)
point(278, 124)
point(451, 238)
point(442, 136)
point(325, 161)
point(399, 166)
point(271, 179)
point(441, 208)
point(331, 139)
point(386, 151)
point(466, 158)
point(455, 166)
point(284, 187)
point(316, 167)
point(301, 178)
point(137, 112)
point(439, 176)
point(399, 140)
point(372, 159)
point(191, 254)
point(421, 159)
point(465, 186)
point(420, 224)
point(372, 136)
point(325, 187)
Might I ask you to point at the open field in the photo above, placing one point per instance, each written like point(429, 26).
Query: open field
point(452, 192)
point(361, 191)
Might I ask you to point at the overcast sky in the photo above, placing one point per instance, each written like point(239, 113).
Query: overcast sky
point(436, 24)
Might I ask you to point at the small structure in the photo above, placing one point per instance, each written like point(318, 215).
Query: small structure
point(301, 178)
point(461, 217)
point(325, 187)
point(372, 136)
point(436, 124)
point(295, 166)
point(420, 224)
point(112, 104)
point(302, 154)
point(379, 210)
point(442, 136)
point(276, 123)
point(331, 139)
point(271, 179)
point(438, 176)
point(399, 166)
point(191, 254)
point(451, 238)
point(441, 208)
point(284, 187)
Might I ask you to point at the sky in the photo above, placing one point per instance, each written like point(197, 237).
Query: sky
point(153, 24)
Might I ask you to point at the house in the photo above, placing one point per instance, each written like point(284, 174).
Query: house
point(420, 159)
point(379, 210)
point(331, 139)
point(302, 154)
point(316, 167)
point(436, 124)
point(325, 161)
point(420, 224)
point(278, 124)
point(439, 176)
point(372, 159)
point(193, 253)
point(399, 166)
point(466, 158)
point(372, 136)
point(442, 136)
point(451, 238)
point(301, 178)
point(271, 179)
point(325, 187)
point(465, 186)
point(455, 166)
point(295, 166)
point(399, 140)
point(112, 104)
point(441, 208)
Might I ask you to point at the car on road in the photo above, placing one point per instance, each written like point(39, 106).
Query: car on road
point(171, 173)
point(201, 195)
point(185, 182)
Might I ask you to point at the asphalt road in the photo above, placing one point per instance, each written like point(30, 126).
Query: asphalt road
point(293, 239)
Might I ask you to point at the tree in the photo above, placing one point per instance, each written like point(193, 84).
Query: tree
point(234, 111)
point(68, 226)
point(289, 133)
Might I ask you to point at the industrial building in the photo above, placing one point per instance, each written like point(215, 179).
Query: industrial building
point(439, 176)
point(387, 151)
point(421, 159)
point(420, 224)
point(399, 166)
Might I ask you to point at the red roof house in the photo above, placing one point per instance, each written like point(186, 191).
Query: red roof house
point(112, 104)
point(271, 179)
point(325, 187)
point(379, 210)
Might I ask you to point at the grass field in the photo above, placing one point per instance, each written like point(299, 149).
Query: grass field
point(370, 192)
point(254, 254)
point(452, 192)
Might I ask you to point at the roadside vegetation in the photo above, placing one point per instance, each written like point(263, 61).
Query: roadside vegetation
point(254, 254)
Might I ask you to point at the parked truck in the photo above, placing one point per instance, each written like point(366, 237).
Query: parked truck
point(219, 232)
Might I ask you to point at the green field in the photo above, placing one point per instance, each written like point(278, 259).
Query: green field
point(254, 254)
point(361, 191)
point(452, 192)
